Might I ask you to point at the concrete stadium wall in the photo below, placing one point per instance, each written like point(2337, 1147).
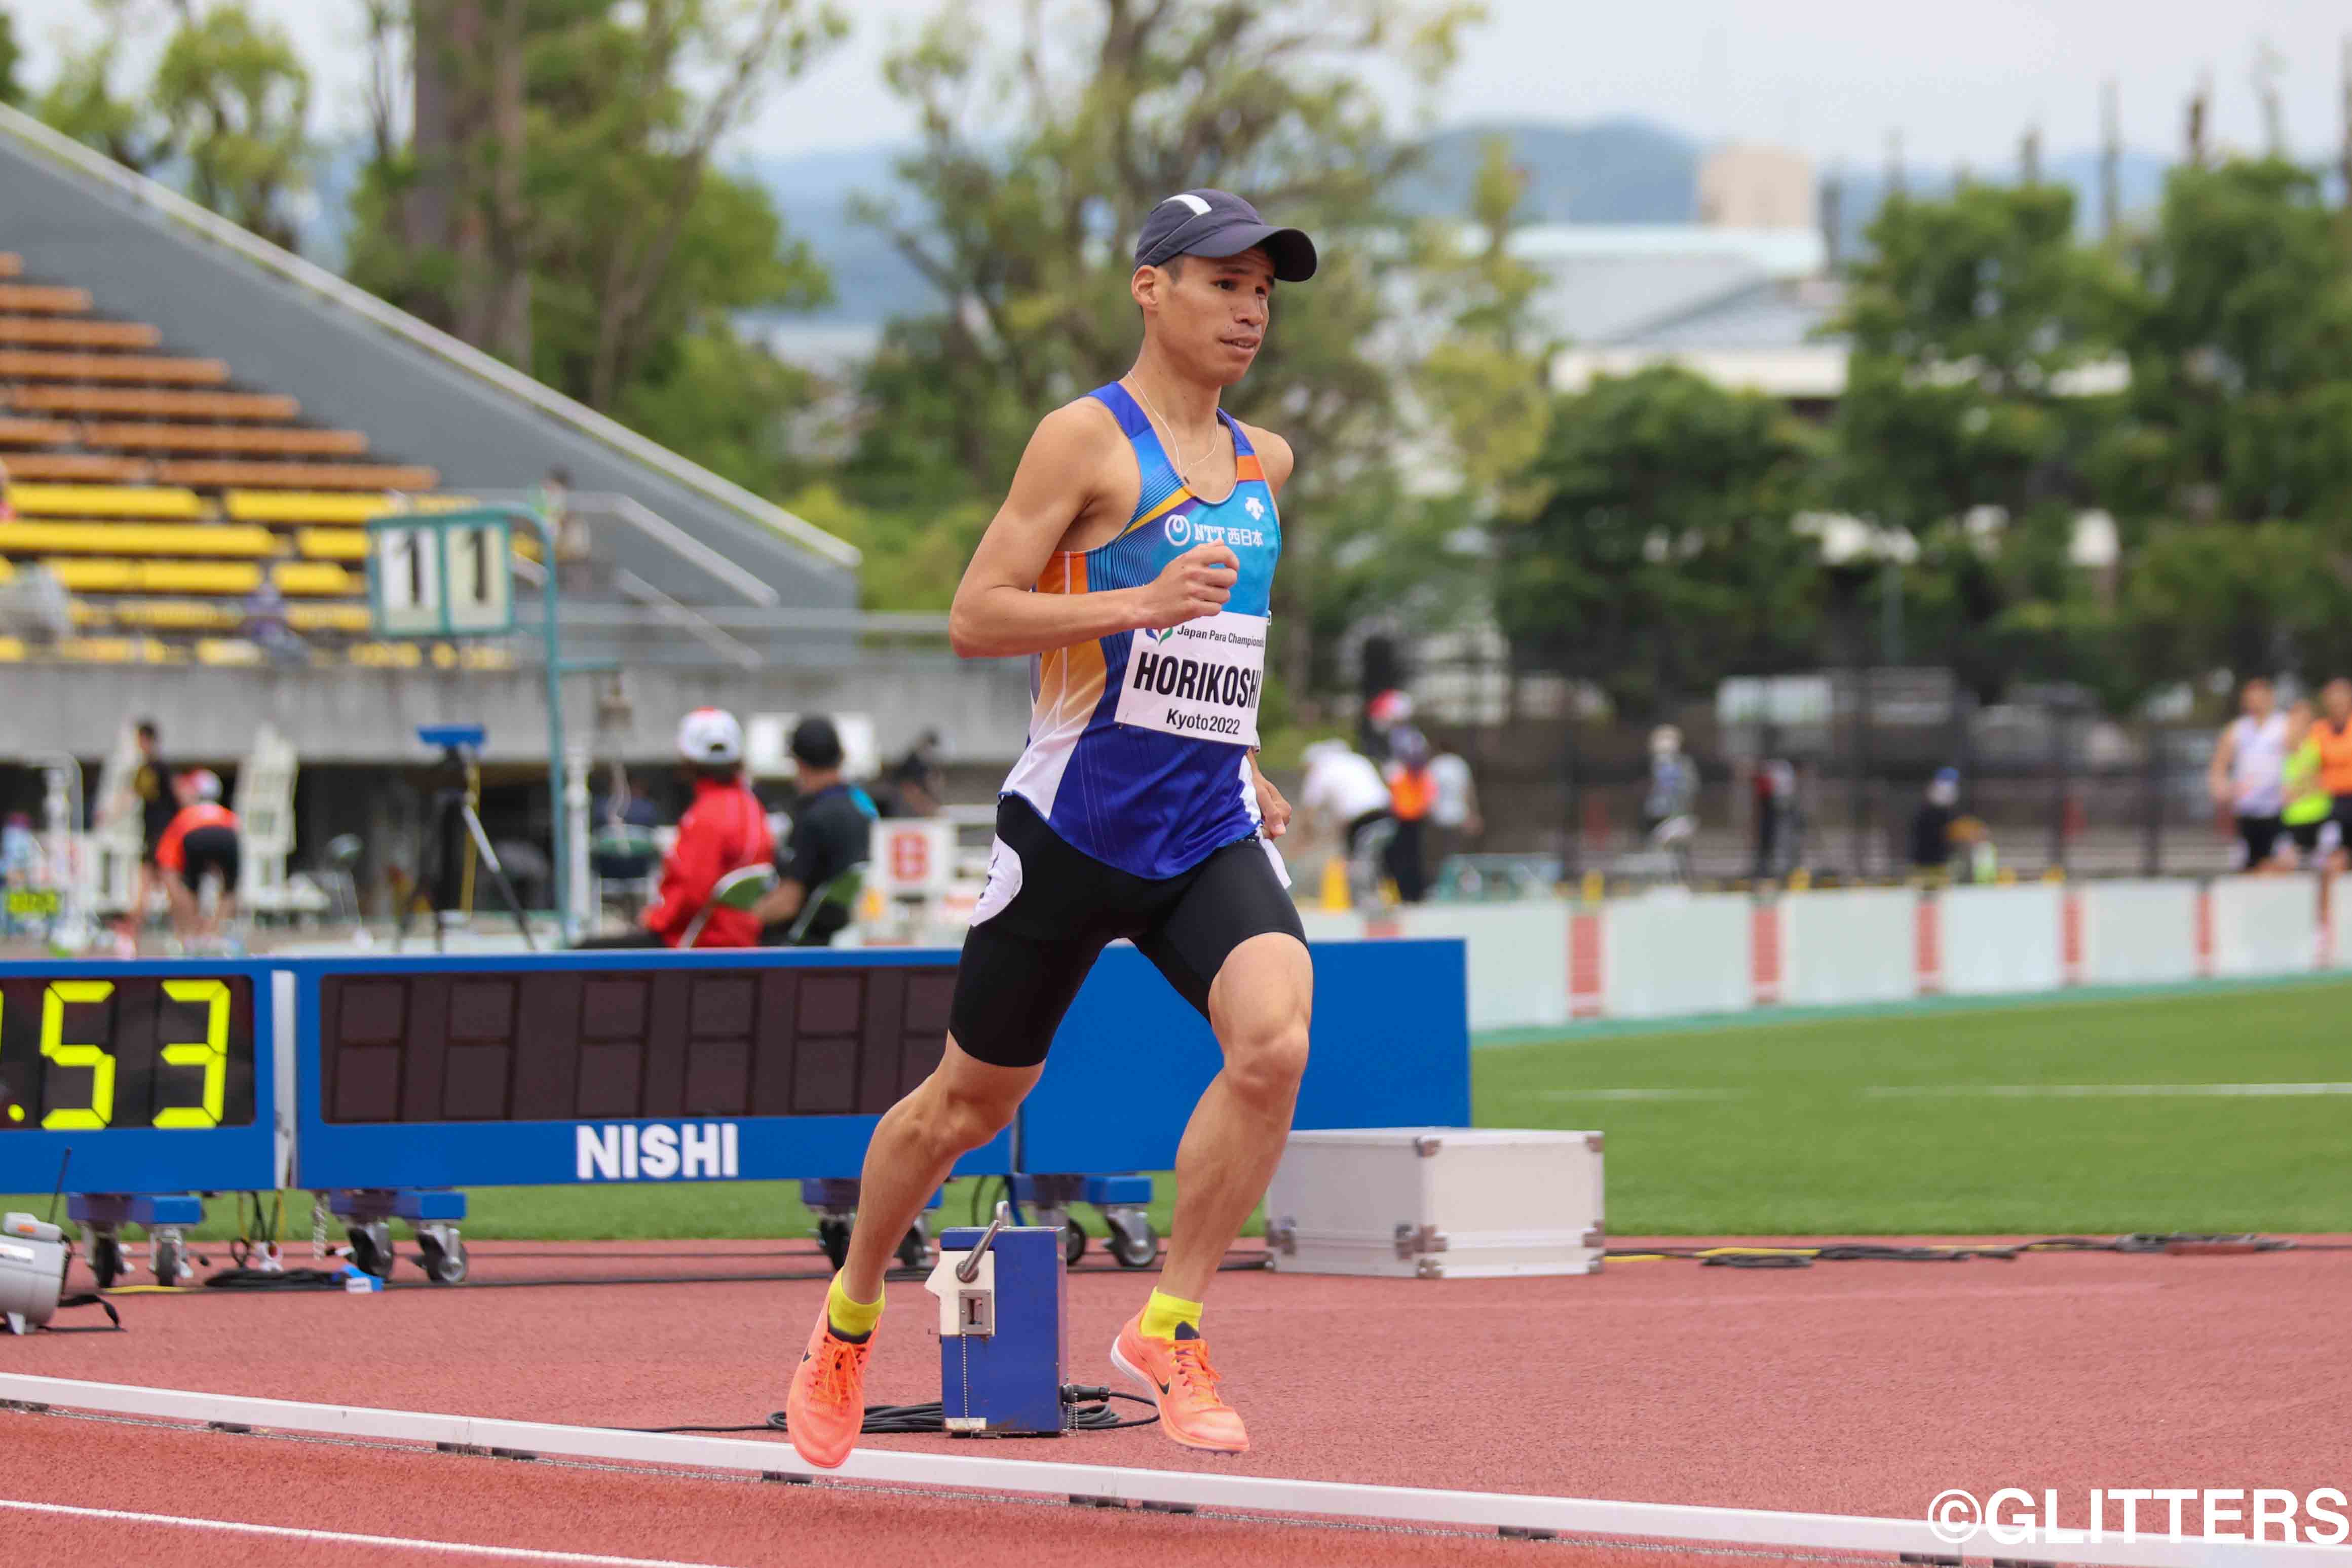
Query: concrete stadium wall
point(1542, 964)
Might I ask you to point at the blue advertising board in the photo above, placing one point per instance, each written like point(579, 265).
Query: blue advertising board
point(1388, 1046)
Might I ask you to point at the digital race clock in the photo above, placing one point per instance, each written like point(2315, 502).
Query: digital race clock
point(158, 1076)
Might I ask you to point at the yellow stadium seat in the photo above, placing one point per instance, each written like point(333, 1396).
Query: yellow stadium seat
point(12, 651)
point(7, 571)
point(103, 501)
point(226, 651)
point(387, 655)
point(329, 617)
point(102, 649)
point(137, 538)
point(101, 575)
point(303, 507)
point(486, 656)
point(322, 577)
point(333, 544)
point(172, 615)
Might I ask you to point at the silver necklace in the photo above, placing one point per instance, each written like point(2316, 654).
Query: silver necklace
point(1175, 457)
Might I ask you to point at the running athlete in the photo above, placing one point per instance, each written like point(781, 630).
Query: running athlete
point(2247, 774)
point(1132, 559)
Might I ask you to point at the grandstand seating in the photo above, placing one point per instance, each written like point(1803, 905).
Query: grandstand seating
point(160, 494)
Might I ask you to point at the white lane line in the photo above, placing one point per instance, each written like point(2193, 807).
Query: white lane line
point(345, 1537)
point(1642, 1093)
point(2100, 1091)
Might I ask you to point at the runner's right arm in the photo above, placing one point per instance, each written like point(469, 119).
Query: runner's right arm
point(2217, 774)
point(1064, 473)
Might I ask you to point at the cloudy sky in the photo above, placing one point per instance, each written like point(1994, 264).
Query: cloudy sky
point(1834, 77)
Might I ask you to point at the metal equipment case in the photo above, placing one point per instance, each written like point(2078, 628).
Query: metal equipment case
point(1437, 1203)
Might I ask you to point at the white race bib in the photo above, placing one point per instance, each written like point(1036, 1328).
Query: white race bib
point(1200, 680)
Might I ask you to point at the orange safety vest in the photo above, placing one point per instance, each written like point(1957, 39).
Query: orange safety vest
point(2334, 755)
point(1410, 794)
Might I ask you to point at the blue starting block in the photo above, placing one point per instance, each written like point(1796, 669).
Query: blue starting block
point(102, 1216)
point(1004, 1332)
point(432, 1213)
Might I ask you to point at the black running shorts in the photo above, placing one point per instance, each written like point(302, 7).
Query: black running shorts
point(213, 849)
point(2258, 839)
point(1049, 909)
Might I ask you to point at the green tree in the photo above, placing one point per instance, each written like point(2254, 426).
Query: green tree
point(1487, 378)
point(228, 103)
point(558, 204)
point(2238, 329)
point(1662, 555)
point(11, 55)
point(1982, 336)
point(1025, 236)
point(2256, 596)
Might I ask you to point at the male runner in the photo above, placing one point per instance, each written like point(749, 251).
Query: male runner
point(2247, 775)
point(1132, 558)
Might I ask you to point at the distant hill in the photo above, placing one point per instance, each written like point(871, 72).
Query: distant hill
point(1610, 171)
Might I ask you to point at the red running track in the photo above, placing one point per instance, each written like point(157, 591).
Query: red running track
point(1846, 1388)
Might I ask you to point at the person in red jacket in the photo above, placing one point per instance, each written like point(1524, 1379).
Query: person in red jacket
point(200, 841)
point(725, 829)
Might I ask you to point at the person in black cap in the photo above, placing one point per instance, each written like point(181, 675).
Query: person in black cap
point(832, 826)
point(1133, 561)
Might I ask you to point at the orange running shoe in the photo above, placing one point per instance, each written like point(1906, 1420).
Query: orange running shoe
point(1176, 1374)
point(827, 1408)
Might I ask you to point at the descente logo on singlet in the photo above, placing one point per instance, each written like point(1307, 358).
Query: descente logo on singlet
point(1201, 679)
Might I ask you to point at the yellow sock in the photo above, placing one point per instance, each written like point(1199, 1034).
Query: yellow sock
point(851, 1320)
point(1164, 1312)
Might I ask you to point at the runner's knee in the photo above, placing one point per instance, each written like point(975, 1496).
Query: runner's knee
point(1266, 1058)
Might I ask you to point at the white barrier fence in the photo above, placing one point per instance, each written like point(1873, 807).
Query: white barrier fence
point(1542, 962)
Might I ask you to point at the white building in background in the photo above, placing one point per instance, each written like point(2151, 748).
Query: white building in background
point(1744, 186)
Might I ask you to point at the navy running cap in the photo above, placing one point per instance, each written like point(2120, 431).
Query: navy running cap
point(1219, 223)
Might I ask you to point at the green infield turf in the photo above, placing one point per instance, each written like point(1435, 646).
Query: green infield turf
point(2220, 1108)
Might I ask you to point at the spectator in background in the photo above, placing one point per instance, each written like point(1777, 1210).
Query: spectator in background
point(1674, 780)
point(150, 794)
point(831, 832)
point(1931, 825)
point(917, 786)
point(200, 841)
point(2303, 819)
point(2248, 775)
point(573, 543)
point(1344, 792)
point(724, 830)
point(1776, 818)
point(1413, 794)
point(20, 860)
point(1381, 716)
point(266, 625)
point(2333, 731)
point(1454, 816)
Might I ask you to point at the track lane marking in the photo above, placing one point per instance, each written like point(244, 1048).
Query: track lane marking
point(346, 1537)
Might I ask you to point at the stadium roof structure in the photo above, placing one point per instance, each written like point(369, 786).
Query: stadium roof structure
point(354, 362)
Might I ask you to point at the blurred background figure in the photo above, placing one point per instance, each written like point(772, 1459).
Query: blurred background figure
point(1344, 796)
point(266, 625)
point(1931, 825)
point(2304, 838)
point(2246, 776)
point(1776, 818)
point(1413, 795)
point(199, 841)
point(1454, 824)
point(622, 853)
point(1381, 716)
point(20, 862)
point(822, 870)
point(2332, 731)
point(1670, 805)
point(724, 829)
point(149, 792)
point(916, 784)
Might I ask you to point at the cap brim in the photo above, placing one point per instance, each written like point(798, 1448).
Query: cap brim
point(1292, 253)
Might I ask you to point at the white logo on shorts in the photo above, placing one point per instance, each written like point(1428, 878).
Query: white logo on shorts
point(1177, 530)
point(1003, 881)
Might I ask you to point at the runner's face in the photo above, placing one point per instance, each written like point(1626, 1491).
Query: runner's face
point(2338, 698)
point(1212, 314)
point(2259, 699)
